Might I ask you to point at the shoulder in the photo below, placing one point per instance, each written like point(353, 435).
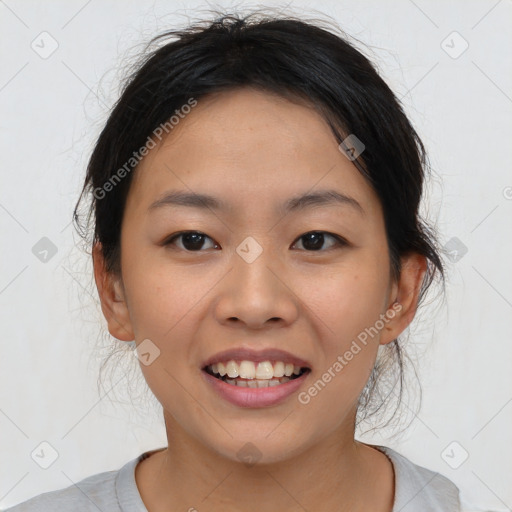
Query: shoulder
point(420, 489)
point(96, 492)
point(90, 493)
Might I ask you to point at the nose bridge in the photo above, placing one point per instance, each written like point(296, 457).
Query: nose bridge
point(254, 292)
point(252, 269)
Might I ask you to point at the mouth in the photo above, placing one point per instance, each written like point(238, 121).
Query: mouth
point(246, 377)
point(252, 374)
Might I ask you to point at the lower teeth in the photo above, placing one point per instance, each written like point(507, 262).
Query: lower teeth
point(257, 383)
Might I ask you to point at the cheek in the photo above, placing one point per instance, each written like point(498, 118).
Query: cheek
point(163, 307)
point(348, 299)
point(161, 298)
point(346, 306)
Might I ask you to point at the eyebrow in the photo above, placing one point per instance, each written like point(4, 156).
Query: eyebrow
point(298, 203)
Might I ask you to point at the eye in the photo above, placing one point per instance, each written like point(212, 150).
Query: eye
point(191, 240)
point(314, 240)
point(194, 241)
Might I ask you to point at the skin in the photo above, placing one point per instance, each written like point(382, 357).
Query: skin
point(255, 150)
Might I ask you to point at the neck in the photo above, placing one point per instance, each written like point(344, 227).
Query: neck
point(338, 473)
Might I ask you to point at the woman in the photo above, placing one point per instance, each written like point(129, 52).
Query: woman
point(255, 194)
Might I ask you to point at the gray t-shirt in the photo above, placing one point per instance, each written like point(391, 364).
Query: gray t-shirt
point(417, 489)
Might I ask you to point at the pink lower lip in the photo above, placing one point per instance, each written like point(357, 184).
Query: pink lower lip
point(254, 397)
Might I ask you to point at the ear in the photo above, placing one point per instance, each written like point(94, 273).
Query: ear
point(404, 296)
point(112, 297)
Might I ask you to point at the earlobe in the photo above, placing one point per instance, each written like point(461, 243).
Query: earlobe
point(408, 289)
point(112, 298)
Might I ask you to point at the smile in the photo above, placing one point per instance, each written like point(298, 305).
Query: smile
point(254, 384)
point(255, 375)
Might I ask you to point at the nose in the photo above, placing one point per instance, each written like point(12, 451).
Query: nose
point(256, 295)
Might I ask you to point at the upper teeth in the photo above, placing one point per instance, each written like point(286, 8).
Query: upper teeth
point(251, 370)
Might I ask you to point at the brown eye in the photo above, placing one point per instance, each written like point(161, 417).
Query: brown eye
point(314, 240)
point(192, 241)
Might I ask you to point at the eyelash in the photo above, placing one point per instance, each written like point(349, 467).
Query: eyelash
point(341, 242)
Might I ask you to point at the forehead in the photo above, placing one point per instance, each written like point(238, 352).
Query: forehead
point(246, 146)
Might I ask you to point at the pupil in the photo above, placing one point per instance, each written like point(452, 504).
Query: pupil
point(311, 243)
point(193, 241)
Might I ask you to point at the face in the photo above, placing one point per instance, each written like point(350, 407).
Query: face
point(252, 274)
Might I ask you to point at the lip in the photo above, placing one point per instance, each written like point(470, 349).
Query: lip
point(257, 356)
point(254, 397)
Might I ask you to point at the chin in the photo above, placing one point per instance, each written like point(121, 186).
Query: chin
point(258, 450)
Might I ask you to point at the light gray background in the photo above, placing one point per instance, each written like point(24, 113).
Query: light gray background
point(52, 108)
